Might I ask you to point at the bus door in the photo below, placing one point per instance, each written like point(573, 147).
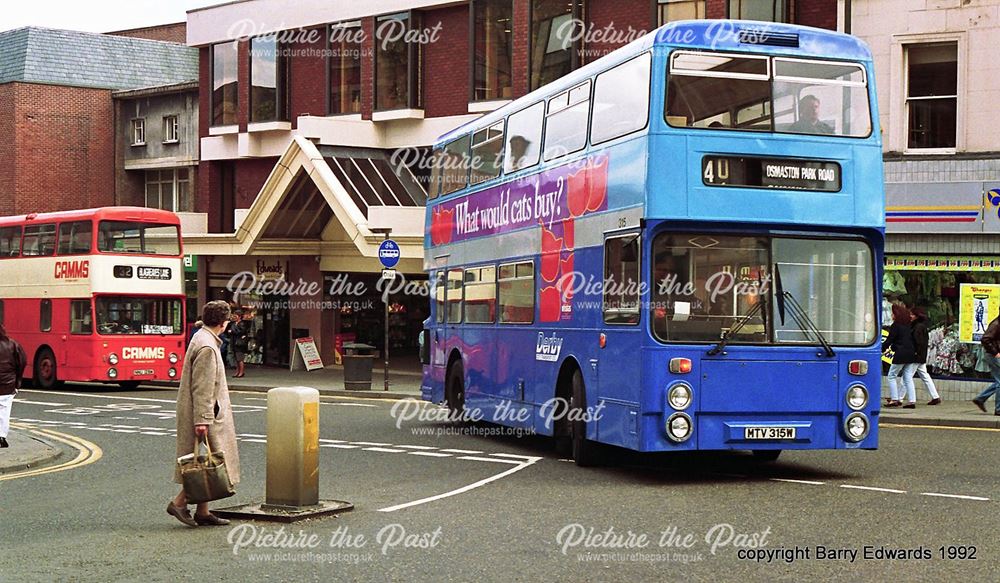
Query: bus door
point(619, 379)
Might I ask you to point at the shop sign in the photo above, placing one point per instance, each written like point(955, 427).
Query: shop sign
point(938, 263)
point(978, 304)
point(270, 271)
point(309, 353)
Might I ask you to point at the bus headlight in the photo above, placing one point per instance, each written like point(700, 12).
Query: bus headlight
point(856, 426)
point(857, 397)
point(112, 373)
point(113, 358)
point(172, 372)
point(173, 358)
point(679, 396)
point(679, 427)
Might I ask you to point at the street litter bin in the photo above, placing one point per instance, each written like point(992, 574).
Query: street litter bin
point(358, 359)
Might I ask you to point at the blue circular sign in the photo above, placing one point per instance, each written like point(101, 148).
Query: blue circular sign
point(388, 253)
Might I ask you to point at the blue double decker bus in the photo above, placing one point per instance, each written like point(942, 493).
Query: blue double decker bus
point(675, 247)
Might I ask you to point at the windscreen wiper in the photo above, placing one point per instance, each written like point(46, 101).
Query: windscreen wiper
point(800, 316)
point(736, 328)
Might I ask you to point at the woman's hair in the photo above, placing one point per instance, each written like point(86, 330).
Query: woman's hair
point(919, 313)
point(215, 313)
point(900, 315)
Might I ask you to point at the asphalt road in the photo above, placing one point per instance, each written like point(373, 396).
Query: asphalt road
point(443, 507)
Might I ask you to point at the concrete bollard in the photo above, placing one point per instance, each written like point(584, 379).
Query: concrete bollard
point(292, 447)
point(292, 456)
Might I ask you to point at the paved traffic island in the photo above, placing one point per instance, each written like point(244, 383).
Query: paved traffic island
point(27, 451)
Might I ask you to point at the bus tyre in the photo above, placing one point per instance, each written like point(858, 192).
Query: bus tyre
point(766, 455)
point(455, 390)
point(46, 374)
point(586, 453)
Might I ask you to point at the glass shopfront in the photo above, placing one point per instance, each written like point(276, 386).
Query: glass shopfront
point(934, 284)
point(360, 313)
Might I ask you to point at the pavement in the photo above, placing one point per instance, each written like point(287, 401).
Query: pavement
point(949, 413)
point(27, 450)
point(403, 383)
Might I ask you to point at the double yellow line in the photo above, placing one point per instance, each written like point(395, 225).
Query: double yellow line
point(87, 452)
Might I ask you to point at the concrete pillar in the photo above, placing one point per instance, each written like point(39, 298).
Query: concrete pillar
point(292, 447)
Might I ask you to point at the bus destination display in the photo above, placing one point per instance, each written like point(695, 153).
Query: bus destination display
point(153, 272)
point(770, 173)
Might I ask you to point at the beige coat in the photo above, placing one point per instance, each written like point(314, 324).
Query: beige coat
point(203, 388)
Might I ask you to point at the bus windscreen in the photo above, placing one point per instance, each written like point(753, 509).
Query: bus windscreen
point(117, 315)
point(138, 238)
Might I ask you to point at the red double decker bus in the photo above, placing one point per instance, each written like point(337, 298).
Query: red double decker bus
point(95, 295)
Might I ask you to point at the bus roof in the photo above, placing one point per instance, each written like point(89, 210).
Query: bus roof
point(719, 35)
point(110, 213)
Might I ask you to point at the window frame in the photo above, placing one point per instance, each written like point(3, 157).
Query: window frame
point(45, 312)
point(784, 9)
point(472, 53)
point(534, 291)
point(171, 127)
point(700, 7)
point(541, 136)
point(570, 104)
point(648, 100)
point(480, 283)
point(90, 312)
point(502, 138)
point(71, 234)
point(19, 238)
point(282, 83)
point(235, 47)
point(578, 13)
point(414, 63)
point(39, 234)
point(138, 131)
point(604, 268)
point(939, 40)
point(447, 295)
point(356, 28)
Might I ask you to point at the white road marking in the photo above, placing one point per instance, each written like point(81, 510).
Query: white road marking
point(428, 453)
point(124, 398)
point(808, 482)
point(461, 490)
point(353, 405)
point(490, 459)
point(253, 440)
point(340, 445)
point(870, 488)
point(516, 456)
point(27, 402)
point(979, 498)
point(251, 435)
point(332, 441)
point(375, 443)
point(416, 446)
point(385, 449)
point(467, 451)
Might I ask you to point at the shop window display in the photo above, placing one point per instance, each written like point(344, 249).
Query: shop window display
point(938, 293)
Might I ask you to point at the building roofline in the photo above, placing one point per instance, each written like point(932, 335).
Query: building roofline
point(141, 28)
point(181, 87)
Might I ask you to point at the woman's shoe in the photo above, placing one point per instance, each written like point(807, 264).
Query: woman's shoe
point(210, 520)
point(182, 514)
point(910, 406)
point(892, 403)
point(3, 442)
point(936, 401)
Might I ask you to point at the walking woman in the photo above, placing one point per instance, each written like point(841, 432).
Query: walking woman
point(920, 339)
point(12, 361)
point(904, 359)
point(203, 409)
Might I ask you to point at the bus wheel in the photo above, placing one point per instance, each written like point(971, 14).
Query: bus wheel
point(766, 455)
point(46, 376)
point(128, 385)
point(586, 453)
point(455, 391)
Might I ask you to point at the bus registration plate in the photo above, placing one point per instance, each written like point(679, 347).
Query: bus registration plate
point(768, 433)
point(143, 371)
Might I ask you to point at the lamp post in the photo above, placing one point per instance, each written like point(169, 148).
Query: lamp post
point(385, 232)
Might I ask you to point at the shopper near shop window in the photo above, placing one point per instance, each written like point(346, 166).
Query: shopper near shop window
point(921, 342)
point(991, 344)
point(240, 338)
point(904, 360)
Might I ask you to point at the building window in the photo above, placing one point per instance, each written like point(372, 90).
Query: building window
point(766, 10)
point(555, 39)
point(397, 63)
point(932, 95)
point(268, 80)
point(80, 321)
point(139, 132)
point(169, 189)
point(345, 67)
point(225, 84)
point(671, 10)
point(170, 127)
point(491, 49)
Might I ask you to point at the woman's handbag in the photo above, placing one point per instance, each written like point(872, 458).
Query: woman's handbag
point(205, 477)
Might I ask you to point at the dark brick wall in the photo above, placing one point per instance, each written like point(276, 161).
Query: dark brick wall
point(307, 76)
point(171, 33)
point(818, 13)
point(522, 28)
point(447, 60)
point(58, 151)
point(250, 176)
point(627, 19)
point(368, 68)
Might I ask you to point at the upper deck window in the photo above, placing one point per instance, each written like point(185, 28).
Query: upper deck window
point(566, 122)
point(450, 168)
point(74, 238)
point(744, 92)
point(135, 237)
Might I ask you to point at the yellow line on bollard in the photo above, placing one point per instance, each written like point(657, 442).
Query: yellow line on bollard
point(88, 452)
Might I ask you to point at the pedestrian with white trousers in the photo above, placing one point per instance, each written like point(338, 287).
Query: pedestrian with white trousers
point(12, 361)
point(904, 359)
point(921, 340)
